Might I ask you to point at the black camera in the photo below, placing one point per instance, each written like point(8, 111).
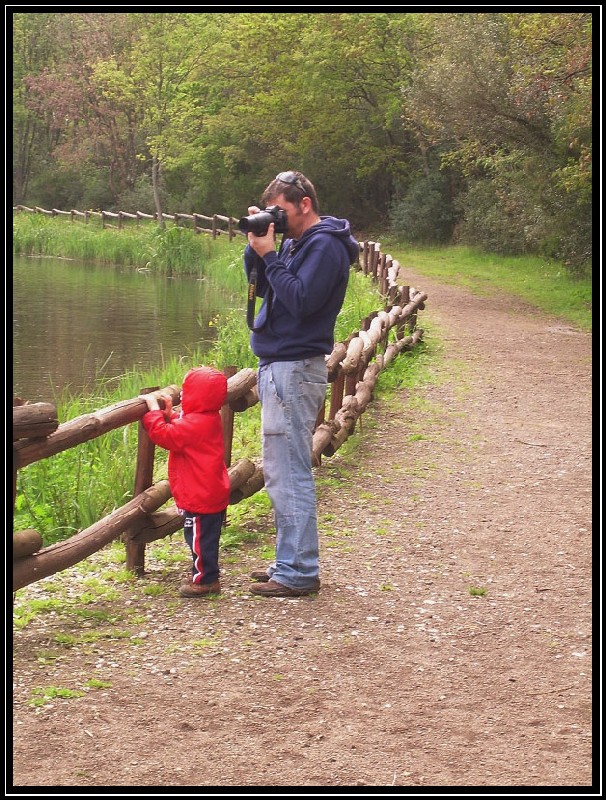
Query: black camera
point(259, 223)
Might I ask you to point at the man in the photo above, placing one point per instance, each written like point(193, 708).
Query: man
point(303, 287)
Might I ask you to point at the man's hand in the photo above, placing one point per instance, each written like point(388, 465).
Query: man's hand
point(262, 245)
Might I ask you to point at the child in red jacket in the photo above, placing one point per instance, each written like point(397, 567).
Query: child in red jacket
point(197, 474)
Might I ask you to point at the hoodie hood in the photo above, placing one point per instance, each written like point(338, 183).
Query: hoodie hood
point(204, 389)
point(340, 229)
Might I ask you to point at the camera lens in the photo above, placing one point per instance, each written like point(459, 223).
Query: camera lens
point(256, 223)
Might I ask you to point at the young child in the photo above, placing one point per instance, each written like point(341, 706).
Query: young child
point(197, 474)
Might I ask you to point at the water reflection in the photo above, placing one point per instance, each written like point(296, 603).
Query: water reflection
point(73, 321)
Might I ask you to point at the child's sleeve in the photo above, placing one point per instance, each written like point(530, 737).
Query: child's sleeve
point(166, 434)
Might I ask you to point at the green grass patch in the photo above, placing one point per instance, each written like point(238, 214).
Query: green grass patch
point(545, 284)
point(42, 696)
point(95, 683)
point(172, 250)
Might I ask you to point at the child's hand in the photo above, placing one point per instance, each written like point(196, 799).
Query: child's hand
point(151, 400)
point(168, 406)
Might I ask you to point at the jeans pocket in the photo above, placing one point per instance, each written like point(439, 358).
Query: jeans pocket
point(313, 396)
point(273, 413)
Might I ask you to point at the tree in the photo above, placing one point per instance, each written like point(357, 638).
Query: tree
point(34, 136)
point(324, 97)
point(168, 51)
point(499, 95)
point(90, 133)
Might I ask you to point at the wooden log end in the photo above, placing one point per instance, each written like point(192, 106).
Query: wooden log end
point(26, 543)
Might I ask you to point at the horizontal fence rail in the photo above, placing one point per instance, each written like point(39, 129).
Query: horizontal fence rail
point(353, 370)
point(118, 219)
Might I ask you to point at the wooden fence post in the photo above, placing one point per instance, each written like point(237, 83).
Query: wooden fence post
point(336, 394)
point(144, 478)
point(376, 250)
point(404, 299)
point(383, 274)
point(365, 258)
point(227, 417)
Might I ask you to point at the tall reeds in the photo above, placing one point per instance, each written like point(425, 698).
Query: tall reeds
point(172, 250)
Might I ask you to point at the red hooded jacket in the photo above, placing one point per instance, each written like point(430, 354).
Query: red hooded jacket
point(197, 474)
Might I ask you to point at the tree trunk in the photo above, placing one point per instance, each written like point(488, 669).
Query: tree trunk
point(156, 188)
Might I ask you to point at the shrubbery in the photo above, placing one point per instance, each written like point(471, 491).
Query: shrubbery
point(426, 213)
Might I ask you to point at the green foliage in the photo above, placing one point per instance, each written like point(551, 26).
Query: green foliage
point(41, 696)
point(361, 300)
point(231, 346)
point(506, 100)
point(140, 198)
point(172, 250)
point(426, 213)
point(490, 219)
point(167, 114)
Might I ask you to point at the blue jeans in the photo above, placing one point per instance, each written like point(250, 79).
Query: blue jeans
point(291, 395)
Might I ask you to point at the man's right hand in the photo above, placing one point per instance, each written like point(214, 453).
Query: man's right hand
point(262, 245)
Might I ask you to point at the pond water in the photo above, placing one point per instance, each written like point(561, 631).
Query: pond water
point(74, 322)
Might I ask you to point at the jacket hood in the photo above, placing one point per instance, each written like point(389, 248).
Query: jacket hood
point(204, 389)
point(335, 227)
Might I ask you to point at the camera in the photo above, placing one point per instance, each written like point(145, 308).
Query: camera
point(259, 223)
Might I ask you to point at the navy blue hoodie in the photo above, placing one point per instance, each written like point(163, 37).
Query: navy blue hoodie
point(303, 286)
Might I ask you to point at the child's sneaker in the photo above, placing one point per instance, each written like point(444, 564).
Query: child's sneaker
point(190, 589)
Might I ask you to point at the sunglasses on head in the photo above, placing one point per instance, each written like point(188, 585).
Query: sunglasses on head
point(292, 179)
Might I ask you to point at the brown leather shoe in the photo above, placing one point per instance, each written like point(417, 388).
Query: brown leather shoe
point(272, 588)
point(199, 589)
point(259, 575)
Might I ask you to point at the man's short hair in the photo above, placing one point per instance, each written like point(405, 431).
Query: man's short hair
point(293, 192)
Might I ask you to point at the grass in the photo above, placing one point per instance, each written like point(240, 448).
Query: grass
point(41, 696)
point(172, 250)
point(547, 285)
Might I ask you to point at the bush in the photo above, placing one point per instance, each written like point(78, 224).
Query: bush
point(426, 213)
point(139, 198)
point(56, 188)
point(509, 219)
point(492, 219)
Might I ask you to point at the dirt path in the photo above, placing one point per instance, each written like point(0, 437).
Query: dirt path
point(394, 675)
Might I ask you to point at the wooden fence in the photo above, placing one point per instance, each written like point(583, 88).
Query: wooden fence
point(117, 219)
point(353, 369)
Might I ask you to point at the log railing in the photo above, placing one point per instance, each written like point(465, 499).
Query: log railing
point(117, 219)
point(353, 369)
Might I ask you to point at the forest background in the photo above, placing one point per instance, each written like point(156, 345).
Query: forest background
point(470, 128)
